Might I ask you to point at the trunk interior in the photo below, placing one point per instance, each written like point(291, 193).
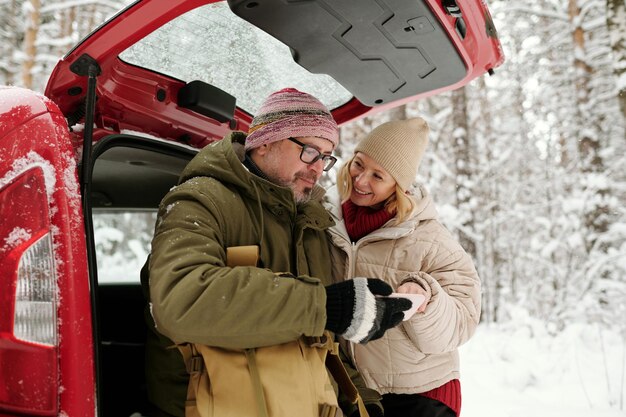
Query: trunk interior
point(130, 175)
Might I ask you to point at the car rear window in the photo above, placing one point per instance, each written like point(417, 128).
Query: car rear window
point(214, 45)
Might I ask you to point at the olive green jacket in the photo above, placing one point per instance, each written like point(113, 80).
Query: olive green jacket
point(195, 297)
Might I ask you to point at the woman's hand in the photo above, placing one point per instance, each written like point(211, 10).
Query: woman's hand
point(415, 288)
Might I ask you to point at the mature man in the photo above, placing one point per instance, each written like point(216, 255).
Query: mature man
point(259, 321)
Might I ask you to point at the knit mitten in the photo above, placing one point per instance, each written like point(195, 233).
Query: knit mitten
point(354, 312)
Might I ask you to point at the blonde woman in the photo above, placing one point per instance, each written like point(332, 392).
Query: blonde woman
point(388, 229)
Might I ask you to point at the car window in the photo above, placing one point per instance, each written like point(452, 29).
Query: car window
point(122, 243)
point(214, 45)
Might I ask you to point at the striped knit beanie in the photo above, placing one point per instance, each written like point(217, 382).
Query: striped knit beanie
point(398, 146)
point(291, 113)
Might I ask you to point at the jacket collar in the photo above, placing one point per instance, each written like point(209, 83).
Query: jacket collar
point(424, 210)
point(224, 161)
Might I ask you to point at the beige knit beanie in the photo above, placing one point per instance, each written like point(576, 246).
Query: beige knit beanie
point(398, 146)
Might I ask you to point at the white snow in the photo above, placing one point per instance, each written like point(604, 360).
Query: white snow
point(519, 369)
point(17, 236)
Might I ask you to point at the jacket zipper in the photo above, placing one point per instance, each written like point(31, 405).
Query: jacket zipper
point(351, 254)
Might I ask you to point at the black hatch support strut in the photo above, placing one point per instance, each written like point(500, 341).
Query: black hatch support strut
point(86, 66)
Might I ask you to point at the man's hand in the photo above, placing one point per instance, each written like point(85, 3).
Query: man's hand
point(354, 311)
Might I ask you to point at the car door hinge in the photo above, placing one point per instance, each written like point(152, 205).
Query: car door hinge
point(452, 8)
point(85, 65)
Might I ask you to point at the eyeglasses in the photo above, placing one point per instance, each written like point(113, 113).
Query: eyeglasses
point(310, 155)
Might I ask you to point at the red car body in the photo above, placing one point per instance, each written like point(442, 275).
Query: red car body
point(44, 200)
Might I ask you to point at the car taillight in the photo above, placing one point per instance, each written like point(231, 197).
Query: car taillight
point(35, 296)
point(29, 380)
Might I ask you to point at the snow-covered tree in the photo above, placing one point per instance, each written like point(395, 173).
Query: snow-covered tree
point(34, 34)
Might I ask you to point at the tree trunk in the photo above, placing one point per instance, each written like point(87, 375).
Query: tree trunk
point(488, 262)
point(68, 23)
point(8, 21)
point(616, 22)
point(30, 38)
point(397, 113)
point(596, 216)
point(588, 144)
point(464, 169)
point(92, 18)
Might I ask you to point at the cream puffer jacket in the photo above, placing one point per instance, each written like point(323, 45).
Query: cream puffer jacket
point(421, 353)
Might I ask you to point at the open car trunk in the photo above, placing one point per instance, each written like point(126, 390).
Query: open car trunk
point(163, 79)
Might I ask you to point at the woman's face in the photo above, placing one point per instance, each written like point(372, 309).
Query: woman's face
point(371, 184)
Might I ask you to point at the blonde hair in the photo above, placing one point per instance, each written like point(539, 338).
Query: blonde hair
point(398, 202)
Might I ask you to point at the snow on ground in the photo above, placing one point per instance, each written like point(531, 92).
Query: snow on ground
point(519, 370)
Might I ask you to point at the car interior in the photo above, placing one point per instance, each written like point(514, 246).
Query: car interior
point(130, 173)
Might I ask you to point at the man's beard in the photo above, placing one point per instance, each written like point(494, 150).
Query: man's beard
point(272, 171)
point(301, 197)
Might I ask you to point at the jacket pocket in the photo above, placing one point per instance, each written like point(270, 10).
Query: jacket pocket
point(293, 378)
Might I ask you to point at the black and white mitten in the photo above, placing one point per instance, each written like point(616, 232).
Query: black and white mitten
point(354, 311)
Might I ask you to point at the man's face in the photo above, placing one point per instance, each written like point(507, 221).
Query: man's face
point(281, 162)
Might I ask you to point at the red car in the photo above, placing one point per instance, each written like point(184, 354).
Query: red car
point(122, 114)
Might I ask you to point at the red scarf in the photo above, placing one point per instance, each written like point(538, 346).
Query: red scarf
point(360, 221)
point(449, 394)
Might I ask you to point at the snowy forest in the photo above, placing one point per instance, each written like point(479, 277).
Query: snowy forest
point(527, 167)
